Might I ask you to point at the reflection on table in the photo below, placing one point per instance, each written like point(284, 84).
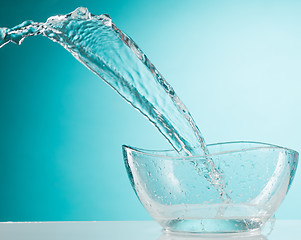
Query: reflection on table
point(128, 230)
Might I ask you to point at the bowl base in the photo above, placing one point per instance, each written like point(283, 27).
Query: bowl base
point(212, 225)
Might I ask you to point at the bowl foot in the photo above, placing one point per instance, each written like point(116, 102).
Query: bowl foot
point(213, 225)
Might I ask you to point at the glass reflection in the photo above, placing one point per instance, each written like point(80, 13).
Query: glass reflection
point(178, 236)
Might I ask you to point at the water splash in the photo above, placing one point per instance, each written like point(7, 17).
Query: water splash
point(98, 44)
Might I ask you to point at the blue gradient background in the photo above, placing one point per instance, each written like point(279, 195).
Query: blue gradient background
point(235, 64)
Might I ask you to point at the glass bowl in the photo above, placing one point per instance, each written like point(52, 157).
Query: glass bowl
point(176, 191)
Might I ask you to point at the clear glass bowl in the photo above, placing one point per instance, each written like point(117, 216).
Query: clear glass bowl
point(173, 189)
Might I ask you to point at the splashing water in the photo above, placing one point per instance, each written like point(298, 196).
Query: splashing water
point(98, 44)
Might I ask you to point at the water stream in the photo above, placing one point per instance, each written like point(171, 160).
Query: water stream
point(97, 43)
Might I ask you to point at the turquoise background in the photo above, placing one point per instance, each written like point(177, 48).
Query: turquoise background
point(235, 64)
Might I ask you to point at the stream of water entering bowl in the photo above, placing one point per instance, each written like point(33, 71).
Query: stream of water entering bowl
point(98, 44)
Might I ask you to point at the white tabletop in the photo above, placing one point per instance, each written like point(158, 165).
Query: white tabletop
point(127, 230)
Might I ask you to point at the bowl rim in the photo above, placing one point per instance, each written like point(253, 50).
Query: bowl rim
point(263, 147)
